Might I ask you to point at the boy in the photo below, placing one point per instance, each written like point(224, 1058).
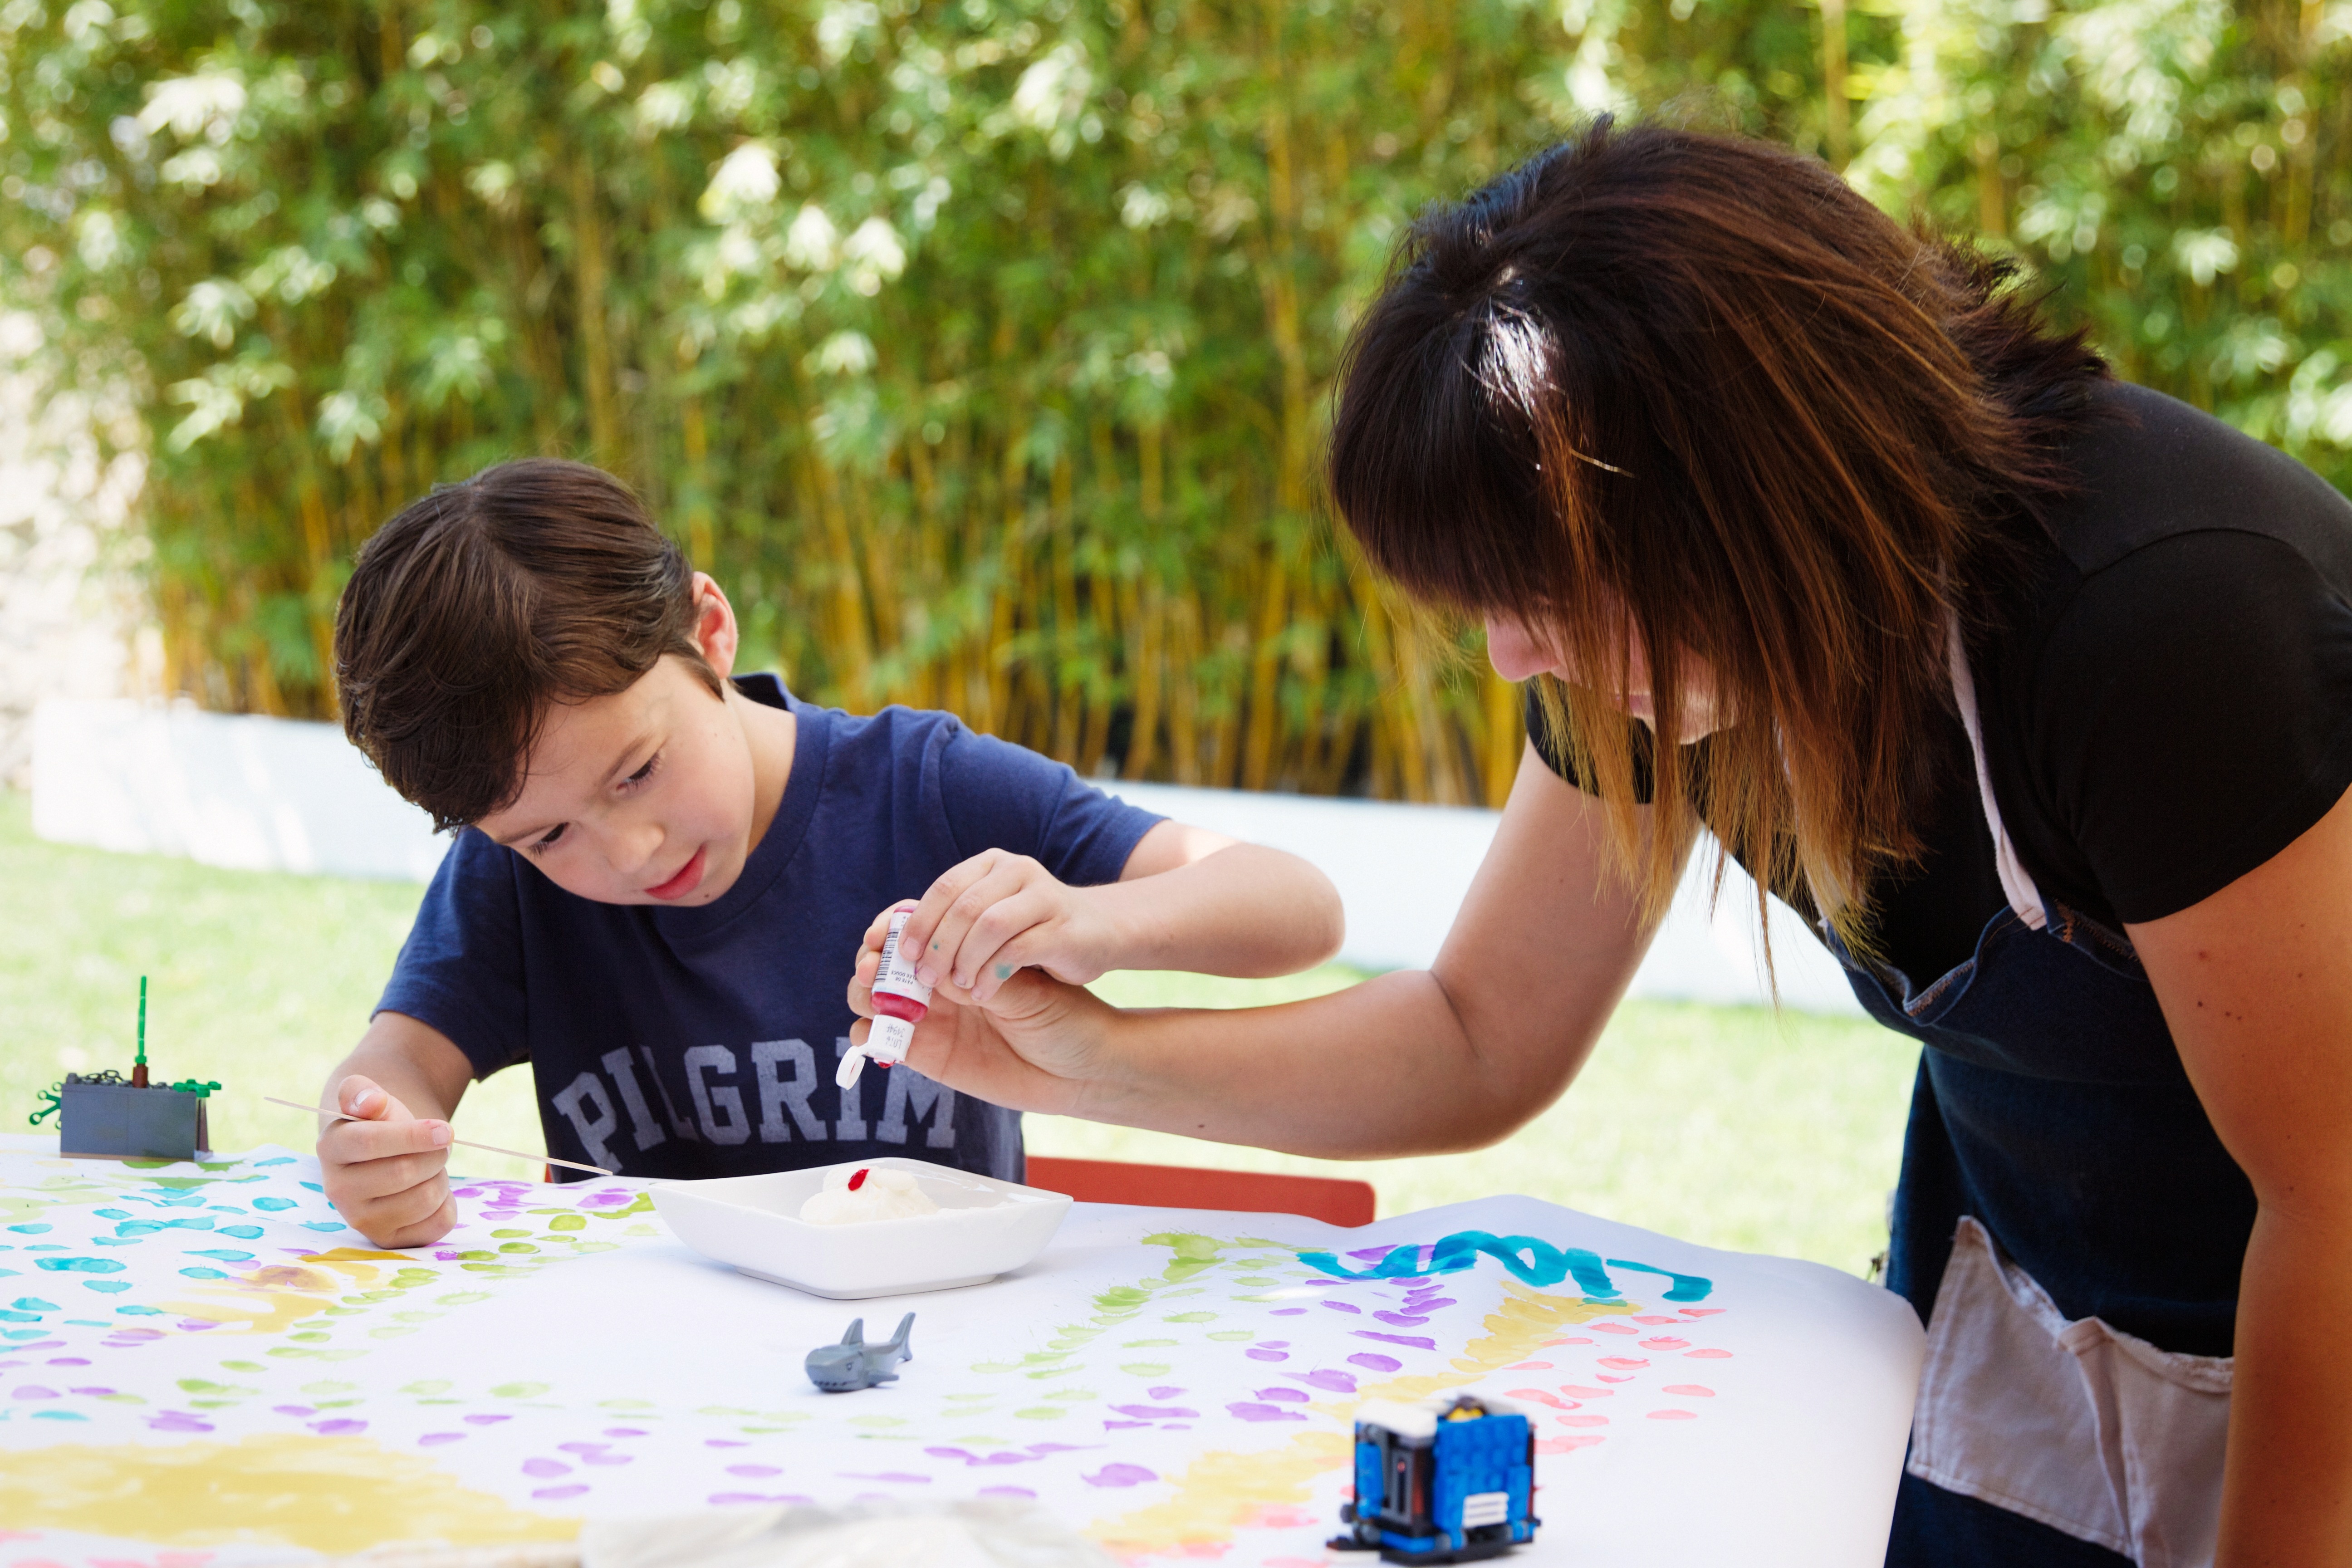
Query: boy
point(661, 876)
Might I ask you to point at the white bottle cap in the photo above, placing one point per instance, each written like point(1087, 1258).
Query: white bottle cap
point(889, 1038)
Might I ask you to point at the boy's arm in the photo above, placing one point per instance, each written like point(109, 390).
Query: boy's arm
point(1187, 899)
point(388, 1173)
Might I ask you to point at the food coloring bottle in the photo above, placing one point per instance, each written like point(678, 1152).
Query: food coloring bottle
point(899, 1002)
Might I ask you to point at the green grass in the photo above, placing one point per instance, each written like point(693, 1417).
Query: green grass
point(1723, 1125)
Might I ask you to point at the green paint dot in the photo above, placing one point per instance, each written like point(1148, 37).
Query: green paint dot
point(1072, 1395)
point(1189, 1317)
point(462, 1298)
point(517, 1247)
point(1254, 1281)
point(1229, 1335)
point(519, 1390)
point(878, 1421)
point(1144, 1368)
point(625, 1404)
point(1042, 1413)
point(506, 1235)
point(242, 1366)
point(1148, 1344)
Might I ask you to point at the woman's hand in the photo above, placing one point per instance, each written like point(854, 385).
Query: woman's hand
point(1037, 1044)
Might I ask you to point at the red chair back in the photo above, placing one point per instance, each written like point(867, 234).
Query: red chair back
point(1191, 1187)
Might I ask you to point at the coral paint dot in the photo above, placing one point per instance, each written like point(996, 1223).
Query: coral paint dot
point(1529, 1366)
point(1690, 1391)
point(1666, 1343)
point(1567, 1445)
point(1673, 1415)
point(1581, 1420)
point(1625, 1363)
point(1614, 1329)
point(1710, 1355)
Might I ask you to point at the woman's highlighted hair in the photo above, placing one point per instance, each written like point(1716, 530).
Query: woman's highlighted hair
point(1692, 395)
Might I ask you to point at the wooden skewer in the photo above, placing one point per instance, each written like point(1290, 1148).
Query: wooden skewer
point(460, 1142)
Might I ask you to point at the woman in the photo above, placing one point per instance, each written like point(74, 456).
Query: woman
point(2031, 689)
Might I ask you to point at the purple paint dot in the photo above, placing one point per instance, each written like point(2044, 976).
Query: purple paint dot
point(1416, 1342)
point(622, 1432)
point(1325, 1378)
point(1119, 1476)
point(1259, 1352)
point(1400, 1320)
point(755, 1472)
point(556, 1494)
point(1174, 1427)
point(67, 1361)
point(338, 1428)
point(94, 1393)
point(173, 1421)
point(1286, 1312)
point(581, 1447)
point(434, 1439)
point(1122, 1425)
point(1165, 1391)
point(1370, 1254)
point(486, 1420)
point(1264, 1412)
point(1008, 1491)
point(1156, 1411)
point(1282, 1396)
point(608, 1458)
point(724, 1443)
point(545, 1467)
point(1371, 1362)
point(35, 1390)
point(299, 1412)
point(1342, 1306)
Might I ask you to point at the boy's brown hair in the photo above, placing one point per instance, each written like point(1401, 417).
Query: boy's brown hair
point(474, 610)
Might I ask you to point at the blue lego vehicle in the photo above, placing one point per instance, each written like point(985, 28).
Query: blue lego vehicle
point(1447, 1481)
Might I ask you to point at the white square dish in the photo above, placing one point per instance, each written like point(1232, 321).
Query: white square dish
point(984, 1228)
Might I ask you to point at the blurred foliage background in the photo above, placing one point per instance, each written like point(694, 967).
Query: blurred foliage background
point(982, 349)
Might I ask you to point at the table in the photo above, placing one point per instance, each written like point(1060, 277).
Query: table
point(202, 1367)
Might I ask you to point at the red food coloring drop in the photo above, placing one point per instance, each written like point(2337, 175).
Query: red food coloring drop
point(858, 1179)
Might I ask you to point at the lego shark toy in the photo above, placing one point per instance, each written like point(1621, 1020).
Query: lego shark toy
point(853, 1364)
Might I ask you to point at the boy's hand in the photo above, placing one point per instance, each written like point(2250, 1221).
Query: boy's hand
point(998, 914)
point(388, 1173)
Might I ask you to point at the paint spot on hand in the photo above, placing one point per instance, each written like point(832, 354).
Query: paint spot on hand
point(1004, 972)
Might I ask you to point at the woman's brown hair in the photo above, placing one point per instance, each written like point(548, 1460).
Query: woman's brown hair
point(1692, 395)
point(480, 606)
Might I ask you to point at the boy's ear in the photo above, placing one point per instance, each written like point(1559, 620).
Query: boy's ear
point(715, 632)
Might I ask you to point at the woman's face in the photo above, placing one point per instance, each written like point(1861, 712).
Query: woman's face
point(1517, 652)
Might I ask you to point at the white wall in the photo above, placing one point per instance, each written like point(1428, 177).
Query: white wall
point(273, 795)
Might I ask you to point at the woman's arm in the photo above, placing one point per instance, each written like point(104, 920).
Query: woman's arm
point(2256, 983)
point(1453, 1057)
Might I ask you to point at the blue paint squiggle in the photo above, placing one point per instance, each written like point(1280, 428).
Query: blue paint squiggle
point(1531, 1261)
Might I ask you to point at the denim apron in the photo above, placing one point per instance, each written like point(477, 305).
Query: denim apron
point(2071, 1229)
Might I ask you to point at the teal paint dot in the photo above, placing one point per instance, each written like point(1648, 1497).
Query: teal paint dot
point(31, 1229)
point(112, 1213)
point(33, 1304)
point(242, 1232)
point(135, 1310)
point(114, 1241)
point(137, 1227)
point(45, 1246)
point(89, 1322)
point(22, 1333)
point(203, 1273)
point(314, 1186)
point(273, 1204)
point(19, 1317)
point(110, 1286)
point(59, 1416)
point(81, 1265)
point(322, 1224)
point(226, 1257)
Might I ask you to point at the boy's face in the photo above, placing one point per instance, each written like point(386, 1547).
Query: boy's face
point(649, 796)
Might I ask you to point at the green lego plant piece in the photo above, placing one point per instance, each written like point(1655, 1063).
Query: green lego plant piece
point(190, 1086)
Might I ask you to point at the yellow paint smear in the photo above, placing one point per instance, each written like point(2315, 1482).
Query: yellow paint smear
point(1222, 1492)
point(1514, 1332)
point(275, 1297)
point(325, 1494)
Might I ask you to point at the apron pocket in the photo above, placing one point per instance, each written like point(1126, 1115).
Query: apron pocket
point(2084, 1428)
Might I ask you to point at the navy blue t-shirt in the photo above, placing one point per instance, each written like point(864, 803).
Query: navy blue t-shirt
point(702, 1042)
